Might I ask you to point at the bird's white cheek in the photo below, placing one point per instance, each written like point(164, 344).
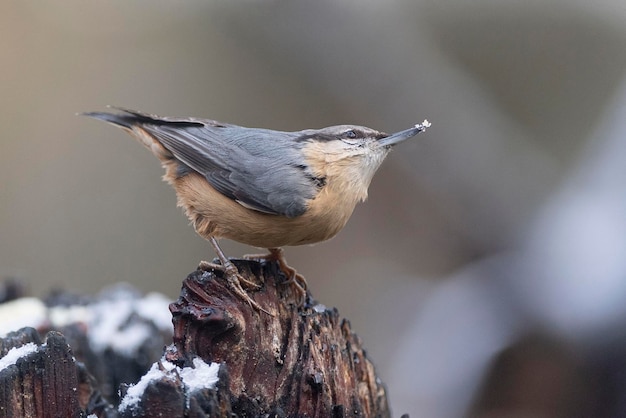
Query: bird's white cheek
point(359, 174)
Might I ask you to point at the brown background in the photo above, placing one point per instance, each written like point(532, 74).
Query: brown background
point(515, 92)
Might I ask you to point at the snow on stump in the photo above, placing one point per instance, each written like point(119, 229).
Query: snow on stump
point(291, 362)
point(227, 358)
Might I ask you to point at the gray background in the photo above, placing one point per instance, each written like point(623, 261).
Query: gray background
point(470, 230)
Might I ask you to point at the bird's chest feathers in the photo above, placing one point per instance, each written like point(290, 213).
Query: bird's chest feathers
point(346, 176)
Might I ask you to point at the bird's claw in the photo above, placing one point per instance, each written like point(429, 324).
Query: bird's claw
point(235, 281)
point(294, 279)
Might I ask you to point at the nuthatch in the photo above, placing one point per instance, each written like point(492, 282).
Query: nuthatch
point(262, 187)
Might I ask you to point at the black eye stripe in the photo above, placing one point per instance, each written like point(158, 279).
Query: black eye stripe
point(350, 134)
point(316, 137)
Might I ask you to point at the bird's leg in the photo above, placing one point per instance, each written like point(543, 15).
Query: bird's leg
point(235, 279)
point(294, 278)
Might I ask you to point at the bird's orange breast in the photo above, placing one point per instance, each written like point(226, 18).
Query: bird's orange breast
point(214, 214)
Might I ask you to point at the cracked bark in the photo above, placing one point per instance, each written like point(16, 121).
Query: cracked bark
point(293, 362)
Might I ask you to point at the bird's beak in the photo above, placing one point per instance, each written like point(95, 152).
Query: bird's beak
point(393, 139)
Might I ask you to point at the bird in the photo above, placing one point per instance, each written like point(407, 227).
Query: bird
point(261, 187)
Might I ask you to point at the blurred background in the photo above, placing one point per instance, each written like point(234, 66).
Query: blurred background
point(486, 274)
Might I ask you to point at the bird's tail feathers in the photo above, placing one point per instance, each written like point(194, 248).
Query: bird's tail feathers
point(129, 118)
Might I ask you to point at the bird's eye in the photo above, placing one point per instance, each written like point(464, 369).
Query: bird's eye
point(350, 134)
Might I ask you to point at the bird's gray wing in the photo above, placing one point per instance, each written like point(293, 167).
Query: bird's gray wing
point(261, 169)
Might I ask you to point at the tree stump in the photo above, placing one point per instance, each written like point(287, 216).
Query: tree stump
point(229, 359)
point(44, 379)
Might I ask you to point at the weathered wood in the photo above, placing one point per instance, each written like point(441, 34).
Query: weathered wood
point(287, 362)
point(46, 382)
point(99, 336)
point(290, 362)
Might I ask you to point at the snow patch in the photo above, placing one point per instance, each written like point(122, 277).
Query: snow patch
point(16, 353)
point(20, 313)
point(201, 376)
point(133, 395)
point(156, 308)
point(120, 320)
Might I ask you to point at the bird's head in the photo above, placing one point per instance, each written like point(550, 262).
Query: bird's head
point(349, 155)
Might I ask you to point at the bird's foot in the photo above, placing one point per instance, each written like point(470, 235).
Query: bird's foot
point(294, 279)
point(229, 269)
point(234, 278)
point(235, 281)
